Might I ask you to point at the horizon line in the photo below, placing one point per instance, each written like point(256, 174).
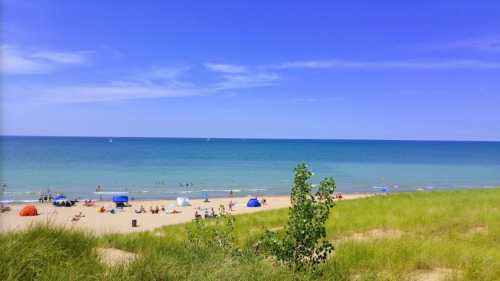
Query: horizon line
point(251, 138)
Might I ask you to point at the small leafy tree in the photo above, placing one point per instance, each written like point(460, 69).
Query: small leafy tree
point(303, 243)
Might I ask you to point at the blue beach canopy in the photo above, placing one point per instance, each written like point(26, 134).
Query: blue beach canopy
point(381, 188)
point(120, 199)
point(253, 203)
point(59, 197)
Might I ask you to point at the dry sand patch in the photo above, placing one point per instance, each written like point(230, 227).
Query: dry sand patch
point(373, 234)
point(113, 256)
point(478, 229)
point(435, 274)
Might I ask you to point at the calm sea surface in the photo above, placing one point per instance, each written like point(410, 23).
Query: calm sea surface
point(167, 167)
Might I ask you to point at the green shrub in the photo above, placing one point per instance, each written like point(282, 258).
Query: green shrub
point(215, 233)
point(303, 243)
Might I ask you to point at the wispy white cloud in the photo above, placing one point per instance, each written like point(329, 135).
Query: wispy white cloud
point(112, 92)
point(170, 73)
point(62, 57)
point(305, 100)
point(403, 64)
point(18, 61)
point(157, 82)
point(245, 81)
point(490, 43)
point(226, 68)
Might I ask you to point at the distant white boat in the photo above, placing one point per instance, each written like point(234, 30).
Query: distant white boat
point(110, 140)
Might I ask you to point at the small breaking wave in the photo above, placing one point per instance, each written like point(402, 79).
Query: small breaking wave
point(17, 201)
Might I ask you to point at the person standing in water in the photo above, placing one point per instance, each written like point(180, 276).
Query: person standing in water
point(98, 191)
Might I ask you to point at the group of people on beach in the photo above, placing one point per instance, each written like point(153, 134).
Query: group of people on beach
point(155, 210)
point(45, 197)
point(206, 215)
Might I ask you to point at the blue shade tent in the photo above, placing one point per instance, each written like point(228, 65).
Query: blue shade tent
point(120, 199)
point(59, 197)
point(253, 203)
point(381, 188)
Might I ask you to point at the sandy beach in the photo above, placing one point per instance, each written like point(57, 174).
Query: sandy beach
point(121, 221)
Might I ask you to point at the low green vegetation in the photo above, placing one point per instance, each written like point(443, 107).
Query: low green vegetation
point(393, 237)
point(302, 243)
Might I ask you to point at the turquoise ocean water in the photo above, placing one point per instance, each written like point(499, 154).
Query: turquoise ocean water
point(161, 167)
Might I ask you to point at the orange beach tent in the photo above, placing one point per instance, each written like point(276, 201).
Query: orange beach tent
point(28, 210)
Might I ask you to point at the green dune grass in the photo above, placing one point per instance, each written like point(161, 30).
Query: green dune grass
point(378, 238)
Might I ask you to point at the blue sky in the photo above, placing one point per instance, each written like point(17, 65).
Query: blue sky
point(286, 69)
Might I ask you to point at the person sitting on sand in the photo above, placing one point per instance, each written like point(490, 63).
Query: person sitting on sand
point(140, 211)
point(197, 215)
point(163, 208)
point(4, 208)
point(102, 209)
point(89, 203)
point(212, 213)
point(78, 216)
point(264, 201)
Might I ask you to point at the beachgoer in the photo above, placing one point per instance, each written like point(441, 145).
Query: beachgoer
point(264, 201)
point(102, 209)
point(212, 213)
point(197, 215)
point(231, 204)
point(4, 208)
point(157, 210)
point(231, 193)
